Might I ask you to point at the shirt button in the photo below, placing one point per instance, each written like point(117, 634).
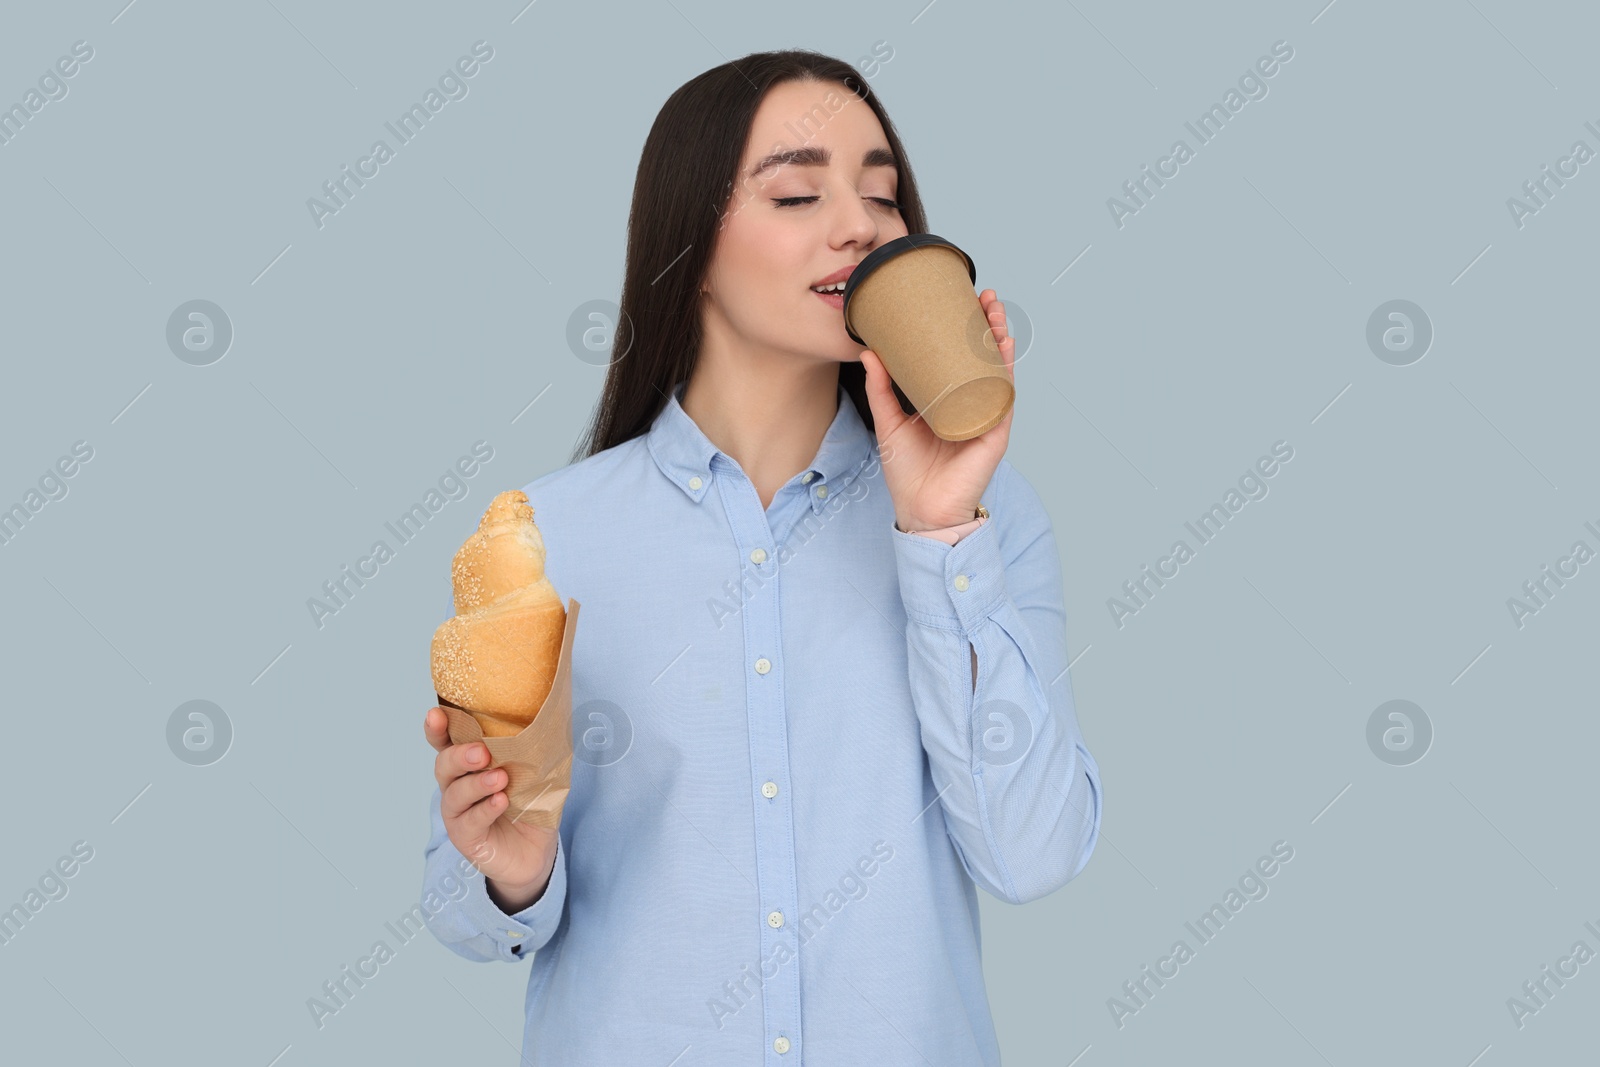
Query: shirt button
point(769, 790)
point(806, 478)
point(695, 482)
point(775, 919)
point(763, 665)
point(512, 933)
point(822, 492)
point(781, 1045)
point(961, 583)
point(759, 556)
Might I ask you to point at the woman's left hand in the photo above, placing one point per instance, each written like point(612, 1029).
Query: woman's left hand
point(933, 482)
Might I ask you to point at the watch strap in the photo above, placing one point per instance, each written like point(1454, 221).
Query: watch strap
point(951, 534)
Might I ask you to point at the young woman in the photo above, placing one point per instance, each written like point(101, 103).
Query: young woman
point(819, 694)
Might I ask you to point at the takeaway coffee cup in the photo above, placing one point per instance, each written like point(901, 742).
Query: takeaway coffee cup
point(913, 303)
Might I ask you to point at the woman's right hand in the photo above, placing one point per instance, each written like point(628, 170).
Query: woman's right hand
point(515, 858)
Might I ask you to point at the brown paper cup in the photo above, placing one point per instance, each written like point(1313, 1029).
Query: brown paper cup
point(912, 302)
point(538, 761)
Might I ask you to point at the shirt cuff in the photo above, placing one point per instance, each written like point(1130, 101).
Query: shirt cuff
point(955, 587)
point(534, 924)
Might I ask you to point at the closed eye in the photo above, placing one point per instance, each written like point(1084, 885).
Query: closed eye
point(790, 201)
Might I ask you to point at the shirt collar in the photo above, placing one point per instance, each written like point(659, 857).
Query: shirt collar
point(684, 453)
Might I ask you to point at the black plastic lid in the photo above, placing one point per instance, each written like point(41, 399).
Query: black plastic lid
point(877, 257)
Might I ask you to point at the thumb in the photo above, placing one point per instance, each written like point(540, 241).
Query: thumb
point(886, 413)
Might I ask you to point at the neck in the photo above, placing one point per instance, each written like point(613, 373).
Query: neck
point(768, 414)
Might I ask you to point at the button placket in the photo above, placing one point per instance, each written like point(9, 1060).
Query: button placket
point(753, 529)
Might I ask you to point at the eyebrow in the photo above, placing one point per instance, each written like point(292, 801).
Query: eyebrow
point(817, 156)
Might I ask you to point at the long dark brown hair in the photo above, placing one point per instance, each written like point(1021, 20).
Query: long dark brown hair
point(680, 193)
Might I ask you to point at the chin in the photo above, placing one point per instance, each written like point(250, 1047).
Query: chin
point(846, 351)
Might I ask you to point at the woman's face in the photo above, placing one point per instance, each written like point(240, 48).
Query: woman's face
point(794, 222)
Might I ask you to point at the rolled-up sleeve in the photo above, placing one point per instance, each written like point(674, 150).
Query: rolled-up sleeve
point(1019, 789)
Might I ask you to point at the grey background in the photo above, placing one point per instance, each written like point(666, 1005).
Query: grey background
point(1229, 313)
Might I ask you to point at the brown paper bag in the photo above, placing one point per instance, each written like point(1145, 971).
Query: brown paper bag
point(538, 761)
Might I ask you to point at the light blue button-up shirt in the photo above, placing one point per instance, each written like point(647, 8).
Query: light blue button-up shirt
point(785, 785)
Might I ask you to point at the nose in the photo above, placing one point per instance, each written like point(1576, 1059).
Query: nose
point(852, 220)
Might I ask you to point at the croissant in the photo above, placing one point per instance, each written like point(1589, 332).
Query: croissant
point(496, 658)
